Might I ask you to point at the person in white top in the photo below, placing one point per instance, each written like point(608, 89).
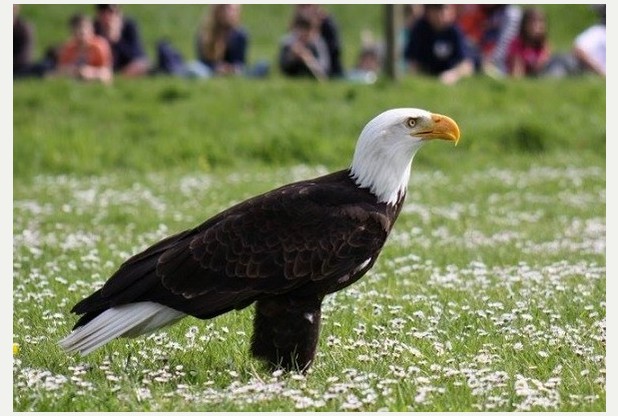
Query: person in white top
point(589, 46)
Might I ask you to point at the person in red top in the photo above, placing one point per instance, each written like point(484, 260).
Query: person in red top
point(85, 55)
point(489, 29)
point(529, 53)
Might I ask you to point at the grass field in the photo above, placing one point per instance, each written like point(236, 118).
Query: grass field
point(489, 295)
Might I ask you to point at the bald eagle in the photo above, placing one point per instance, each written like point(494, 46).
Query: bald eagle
point(284, 250)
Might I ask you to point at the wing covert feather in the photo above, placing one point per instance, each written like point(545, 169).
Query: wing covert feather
point(273, 245)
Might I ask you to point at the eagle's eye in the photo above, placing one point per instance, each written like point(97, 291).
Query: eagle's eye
point(411, 122)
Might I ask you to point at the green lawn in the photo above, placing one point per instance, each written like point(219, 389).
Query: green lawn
point(489, 295)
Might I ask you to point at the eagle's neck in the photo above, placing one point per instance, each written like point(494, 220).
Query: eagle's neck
point(385, 172)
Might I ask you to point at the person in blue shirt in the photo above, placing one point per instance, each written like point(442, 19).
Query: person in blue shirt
point(437, 47)
point(123, 35)
point(221, 41)
point(221, 46)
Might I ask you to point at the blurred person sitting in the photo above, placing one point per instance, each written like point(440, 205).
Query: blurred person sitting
point(489, 30)
point(529, 53)
point(436, 46)
point(369, 61)
point(303, 51)
point(85, 55)
point(122, 33)
point(589, 47)
point(221, 45)
point(329, 31)
point(221, 41)
point(23, 44)
point(588, 53)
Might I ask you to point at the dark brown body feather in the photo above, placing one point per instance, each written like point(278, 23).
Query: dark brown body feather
point(285, 249)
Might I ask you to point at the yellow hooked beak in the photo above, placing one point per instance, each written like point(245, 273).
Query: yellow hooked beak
point(441, 127)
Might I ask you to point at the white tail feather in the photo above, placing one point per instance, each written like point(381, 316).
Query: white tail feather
point(128, 320)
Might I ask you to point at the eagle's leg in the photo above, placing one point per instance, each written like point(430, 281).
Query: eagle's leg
point(286, 331)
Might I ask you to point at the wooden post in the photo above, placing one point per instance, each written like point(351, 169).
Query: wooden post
point(390, 35)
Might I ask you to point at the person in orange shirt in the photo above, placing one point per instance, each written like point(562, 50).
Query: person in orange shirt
point(85, 55)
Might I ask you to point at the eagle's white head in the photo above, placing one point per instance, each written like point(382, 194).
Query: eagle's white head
point(386, 146)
